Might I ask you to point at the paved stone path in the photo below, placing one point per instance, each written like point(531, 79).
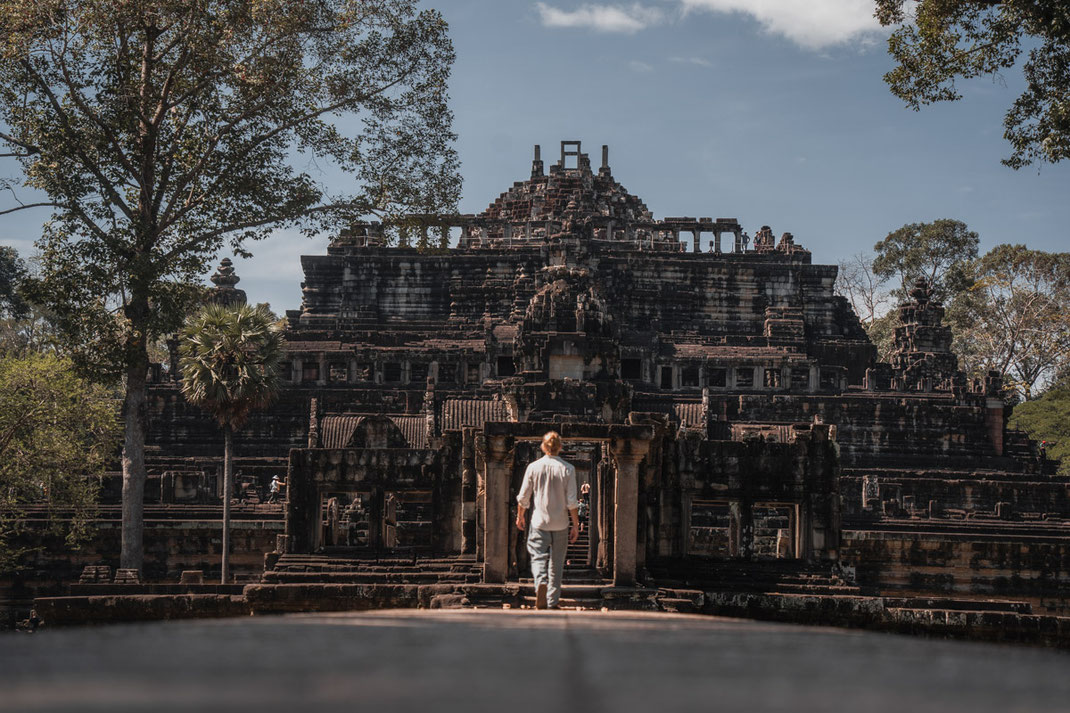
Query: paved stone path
point(514, 662)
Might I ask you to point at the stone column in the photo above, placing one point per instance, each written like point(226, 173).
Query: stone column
point(627, 453)
point(696, 240)
point(499, 461)
point(994, 422)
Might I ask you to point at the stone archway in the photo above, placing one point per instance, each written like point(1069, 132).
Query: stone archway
point(628, 445)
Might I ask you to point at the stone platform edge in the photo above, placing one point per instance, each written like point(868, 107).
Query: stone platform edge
point(845, 611)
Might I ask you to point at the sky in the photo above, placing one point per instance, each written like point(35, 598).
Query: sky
point(770, 111)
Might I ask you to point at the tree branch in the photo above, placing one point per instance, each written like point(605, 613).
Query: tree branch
point(30, 148)
point(26, 206)
point(108, 186)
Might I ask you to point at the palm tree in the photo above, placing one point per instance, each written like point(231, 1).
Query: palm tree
point(229, 360)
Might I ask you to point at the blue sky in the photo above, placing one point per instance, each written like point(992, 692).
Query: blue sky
point(770, 111)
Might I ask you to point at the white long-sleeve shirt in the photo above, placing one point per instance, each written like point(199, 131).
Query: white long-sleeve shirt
point(549, 489)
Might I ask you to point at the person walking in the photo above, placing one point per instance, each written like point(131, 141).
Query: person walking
point(549, 492)
point(275, 489)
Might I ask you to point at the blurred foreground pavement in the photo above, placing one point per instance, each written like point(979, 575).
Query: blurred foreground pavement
point(516, 661)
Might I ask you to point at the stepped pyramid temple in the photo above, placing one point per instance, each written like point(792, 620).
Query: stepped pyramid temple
point(725, 406)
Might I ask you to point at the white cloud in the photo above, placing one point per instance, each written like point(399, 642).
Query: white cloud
point(698, 61)
point(627, 19)
point(811, 24)
point(637, 66)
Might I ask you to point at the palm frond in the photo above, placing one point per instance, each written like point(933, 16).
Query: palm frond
point(229, 360)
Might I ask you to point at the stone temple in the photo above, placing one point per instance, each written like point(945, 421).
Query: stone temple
point(724, 404)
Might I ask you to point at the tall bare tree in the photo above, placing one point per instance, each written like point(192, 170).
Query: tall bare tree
point(870, 298)
point(157, 130)
point(866, 292)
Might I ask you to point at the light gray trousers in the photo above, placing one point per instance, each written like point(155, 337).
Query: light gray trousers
point(548, 549)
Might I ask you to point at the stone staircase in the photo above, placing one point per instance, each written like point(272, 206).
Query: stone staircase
point(366, 568)
point(577, 570)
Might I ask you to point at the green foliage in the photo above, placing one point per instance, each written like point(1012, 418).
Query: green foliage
point(1015, 317)
point(56, 433)
point(24, 326)
point(229, 359)
point(12, 273)
point(940, 41)
point(1048, 419)
point(159, 130)
point(936, 252)
point(881, 332)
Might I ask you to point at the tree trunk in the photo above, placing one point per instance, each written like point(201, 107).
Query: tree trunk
point(133, 460)
point(228, 489)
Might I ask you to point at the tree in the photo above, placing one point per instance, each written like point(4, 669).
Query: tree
point(936, 252)
point(229, 359)
point(157, 130)
point(24, 326)
point(12, 273)
point(940, 41)
point(856, 280)
point(1048, 419)
point(1015, 319)
point(57, 431)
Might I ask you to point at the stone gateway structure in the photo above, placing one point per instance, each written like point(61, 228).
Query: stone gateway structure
point(723, 403)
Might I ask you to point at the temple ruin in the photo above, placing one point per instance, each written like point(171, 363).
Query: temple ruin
point(724, 404)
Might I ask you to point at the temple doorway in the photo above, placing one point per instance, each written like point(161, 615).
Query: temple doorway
point(587, 458)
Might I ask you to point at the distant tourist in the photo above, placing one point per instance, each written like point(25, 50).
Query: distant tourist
point(275, 488)
point(549, 483)
point(585, 505)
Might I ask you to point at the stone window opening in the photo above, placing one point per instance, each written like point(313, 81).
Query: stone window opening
point(570, 154)
point(689, 377)
point(506, 366)
point(447, 373)
point(829, 379)
point(631, 369)
point(744, 377)
point(310, 371)
point(710, 529)
point(338, 371)
point(473, 374)
point(418, 373)
point(392, 372)
point(455, 234)
point(666, 377)
point(286, 370)
point(717, 378)
point(772, 378)
point(800, 378)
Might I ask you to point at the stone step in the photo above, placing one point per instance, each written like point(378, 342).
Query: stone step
point(788, 588)
point(584, 604)
point(415, 577)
